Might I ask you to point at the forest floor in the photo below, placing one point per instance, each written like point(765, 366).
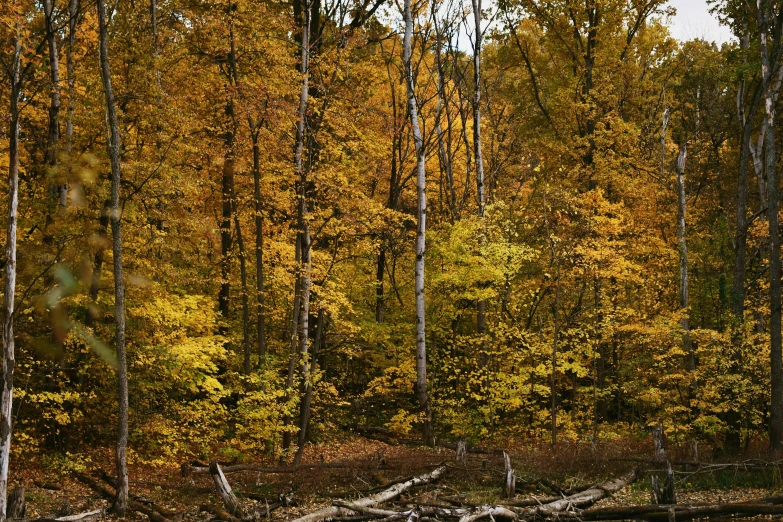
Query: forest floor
point(361, 466)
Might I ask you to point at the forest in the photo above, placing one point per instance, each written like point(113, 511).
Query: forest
point(269, 233)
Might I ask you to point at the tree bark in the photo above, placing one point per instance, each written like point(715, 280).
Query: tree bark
point(9, 288)
point(121, 500)
point(54, 78)
point(746, 119)
point(245, 303)
point(226, 242)
point(769, 54)
point(481, 306)
point(259, 221)
point(72, 21)
point(224, 490)
point(687, 345)
point(292, 339)
point(307, 388)
point(421, 226)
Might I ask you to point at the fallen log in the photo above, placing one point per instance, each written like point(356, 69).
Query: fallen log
point(580, 500)
point(133, 505)
point(368, 502)
point(464, 514)
point(681, 512)
point(224, 490)
point(79, 517)
point(160, 509)
point(189, 469)
point(527, 502)
point(219, 513)
point(46, 485)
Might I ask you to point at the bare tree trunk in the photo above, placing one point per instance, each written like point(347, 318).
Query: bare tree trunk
point(421, 226)
point(226, 243)
point(121, 502)
point(746, 119)
point(481, 321)
point(54, 78)
point(307, 385)
point(292, 338)
point(260, 292)
point(97, 264)
point(769, 61)
point(687, 345)
point(245, 303)
point(72, 20)
point(302, 299)
point(9, 361)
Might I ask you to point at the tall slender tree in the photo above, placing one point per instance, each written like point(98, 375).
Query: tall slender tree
point(15, 78)
point(769, 24)
point(421, 227)
point(121, 500)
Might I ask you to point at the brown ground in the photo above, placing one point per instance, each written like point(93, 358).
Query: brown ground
point(372, 464)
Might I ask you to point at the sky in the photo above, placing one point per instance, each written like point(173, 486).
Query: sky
point(693, 20)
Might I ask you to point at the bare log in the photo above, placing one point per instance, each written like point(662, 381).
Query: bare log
point(464, 514)
point(160, 509)
point(220, 514)
point(492, 512)
point(133, 505)
point(224, 490)
point(191, 469)
point(581, 500)
point(373, 500)
point(681, 512)
point(79, 517)
point(532, 501)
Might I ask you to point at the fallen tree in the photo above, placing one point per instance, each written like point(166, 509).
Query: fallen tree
point(133, 505)
point(656, 512)
point(580, 500)
point(372, 501)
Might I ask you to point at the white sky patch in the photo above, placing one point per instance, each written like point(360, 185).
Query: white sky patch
point(693, 20)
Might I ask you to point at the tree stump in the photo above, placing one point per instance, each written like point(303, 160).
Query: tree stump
point(664, 495)
point(16, 504)
point(659, 443)
point(462, 448)
point(510, 484)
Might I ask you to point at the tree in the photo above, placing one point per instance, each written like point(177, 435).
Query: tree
point(121, 501)
point(421, 227)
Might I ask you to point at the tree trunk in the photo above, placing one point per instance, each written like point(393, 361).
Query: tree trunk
point(732, 417)
point(245, 303)
point(421, 226)
point(687, 345)
point(307, 385)
point(292, 339)
point(302, 299)
point(121, 501)
point(765, 20)
point(97, 264)
point(226, 243)
point(73, 18)
point(481, 306)
point(260, 292)
point(10, 279)
point(54, 78)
